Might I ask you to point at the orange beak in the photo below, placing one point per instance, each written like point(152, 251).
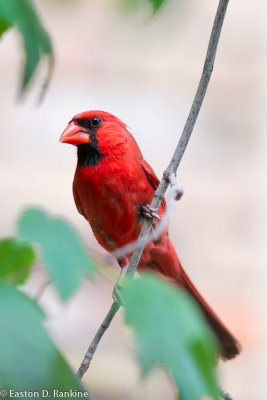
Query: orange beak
point(74, 134)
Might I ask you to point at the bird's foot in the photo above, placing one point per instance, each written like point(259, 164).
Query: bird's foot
point(150, 213)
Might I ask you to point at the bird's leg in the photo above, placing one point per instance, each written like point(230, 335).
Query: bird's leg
point(150, 213)
point(116, 291)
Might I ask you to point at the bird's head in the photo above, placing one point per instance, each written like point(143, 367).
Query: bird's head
point(90, 126)
point(98, 134)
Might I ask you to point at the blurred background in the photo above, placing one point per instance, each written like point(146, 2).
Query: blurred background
point(145, 71)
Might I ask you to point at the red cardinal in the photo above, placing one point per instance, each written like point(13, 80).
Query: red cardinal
point(112, 184)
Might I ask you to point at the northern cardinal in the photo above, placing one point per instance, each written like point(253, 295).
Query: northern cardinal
point(112, 186)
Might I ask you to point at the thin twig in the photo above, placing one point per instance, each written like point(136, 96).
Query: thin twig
point(188, 128)
point(167, 176)
point(224, 394)
point(93, 346)
point(41, 290)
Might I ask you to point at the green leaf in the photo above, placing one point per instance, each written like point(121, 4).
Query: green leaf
point(62, 253)
point(131, 4)
point(170, 331)
point(16, 259)
point(156, 4)
point(3, 26)
point(29, 360)
point(37, 44)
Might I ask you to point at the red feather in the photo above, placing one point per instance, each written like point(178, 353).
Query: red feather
point(112, 182)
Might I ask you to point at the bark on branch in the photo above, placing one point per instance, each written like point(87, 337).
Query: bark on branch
point(168, 176)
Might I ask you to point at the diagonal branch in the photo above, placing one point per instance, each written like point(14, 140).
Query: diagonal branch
point(188, 128)
point(102, 329)
point(168, 174)
point(224, 395)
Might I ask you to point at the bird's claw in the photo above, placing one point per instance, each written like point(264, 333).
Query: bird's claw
point(150, 213)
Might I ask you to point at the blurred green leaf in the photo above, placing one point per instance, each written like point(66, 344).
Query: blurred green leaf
point(3, 26)
point(171, 332)
point(29, 360)
point(16, 259)
point(131, 4)
point(66, 259)
point(22, 15)
point(156, 4)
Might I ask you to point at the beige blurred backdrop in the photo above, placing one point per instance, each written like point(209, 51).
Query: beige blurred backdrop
point(146, 72)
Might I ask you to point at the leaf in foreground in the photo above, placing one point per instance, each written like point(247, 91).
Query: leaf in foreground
point(132, 4)
point(171, 332)
point(62, 252)
point(16, 259)
point(29, 360)
point(156, 4)
point(3, 26)
point(22, 15)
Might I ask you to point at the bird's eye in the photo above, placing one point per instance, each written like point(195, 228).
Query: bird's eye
point(95, 122)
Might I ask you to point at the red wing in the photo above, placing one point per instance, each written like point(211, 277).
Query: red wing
point(153, 179)
point(77, 202)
